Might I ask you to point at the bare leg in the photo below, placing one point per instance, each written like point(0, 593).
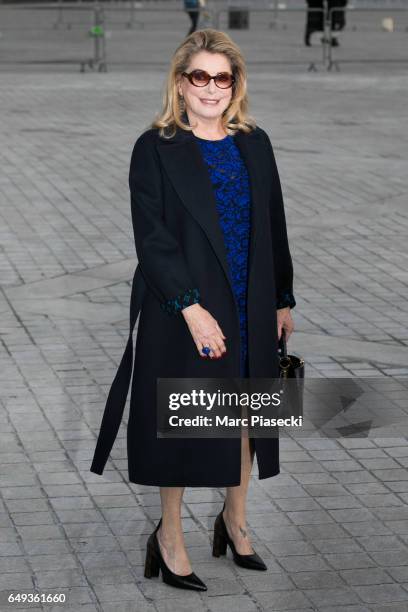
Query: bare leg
point(235, 503)
point(170, 535)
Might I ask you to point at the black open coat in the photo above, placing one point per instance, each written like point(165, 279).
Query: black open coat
point(180, 246)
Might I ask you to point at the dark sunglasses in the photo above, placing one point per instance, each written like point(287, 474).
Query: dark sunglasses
point(201, 78)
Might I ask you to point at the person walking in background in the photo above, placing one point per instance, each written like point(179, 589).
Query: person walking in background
point(337, 17)
point(314, 19)
point(192, 7)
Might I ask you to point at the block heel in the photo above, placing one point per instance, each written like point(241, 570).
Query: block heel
point(152, 564)
point(220, 541)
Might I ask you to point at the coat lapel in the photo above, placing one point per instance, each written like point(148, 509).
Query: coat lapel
point(187, 171)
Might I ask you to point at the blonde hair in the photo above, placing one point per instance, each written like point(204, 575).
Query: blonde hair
point(235, 117)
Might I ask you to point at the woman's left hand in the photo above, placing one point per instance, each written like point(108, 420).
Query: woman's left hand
point(285, 321)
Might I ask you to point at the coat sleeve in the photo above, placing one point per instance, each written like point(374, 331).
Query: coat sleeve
point(161, 260)
point(282, 257)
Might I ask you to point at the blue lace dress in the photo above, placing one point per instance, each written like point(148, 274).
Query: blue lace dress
point(230, 181)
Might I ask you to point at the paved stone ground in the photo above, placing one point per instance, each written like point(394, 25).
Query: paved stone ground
point(333, 525)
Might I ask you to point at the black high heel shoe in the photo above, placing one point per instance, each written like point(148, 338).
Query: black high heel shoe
point(221, 539)
point(155, 562)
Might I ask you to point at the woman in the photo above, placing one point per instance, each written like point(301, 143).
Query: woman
point(214, 283)
point(336, 15)
point(314, 19)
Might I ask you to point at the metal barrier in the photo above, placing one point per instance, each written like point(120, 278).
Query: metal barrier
point(68, 18)
point(132, 12)
point(98, 33)
point(86, 29)
point(86, 25)
point(137, 9)
point(274, 12)
point(348, 11)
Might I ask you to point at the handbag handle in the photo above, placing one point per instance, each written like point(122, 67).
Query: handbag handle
point(285, 362)
point(282, 344)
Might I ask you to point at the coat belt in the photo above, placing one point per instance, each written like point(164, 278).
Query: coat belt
point(116, 401)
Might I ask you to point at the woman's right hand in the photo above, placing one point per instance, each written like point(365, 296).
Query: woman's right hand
point(204, 330)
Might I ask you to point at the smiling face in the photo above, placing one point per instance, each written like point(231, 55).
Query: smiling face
point(209, 102)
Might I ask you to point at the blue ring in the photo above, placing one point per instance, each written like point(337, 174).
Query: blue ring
point(206, 350)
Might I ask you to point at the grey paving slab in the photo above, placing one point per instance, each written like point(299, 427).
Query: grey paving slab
point(333, 525)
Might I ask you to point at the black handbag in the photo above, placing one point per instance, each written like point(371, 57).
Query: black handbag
point(290, 367)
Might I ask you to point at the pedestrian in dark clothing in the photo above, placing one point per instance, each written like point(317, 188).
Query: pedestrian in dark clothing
point(315, 18)
point(192, 7)
point(338, 17)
